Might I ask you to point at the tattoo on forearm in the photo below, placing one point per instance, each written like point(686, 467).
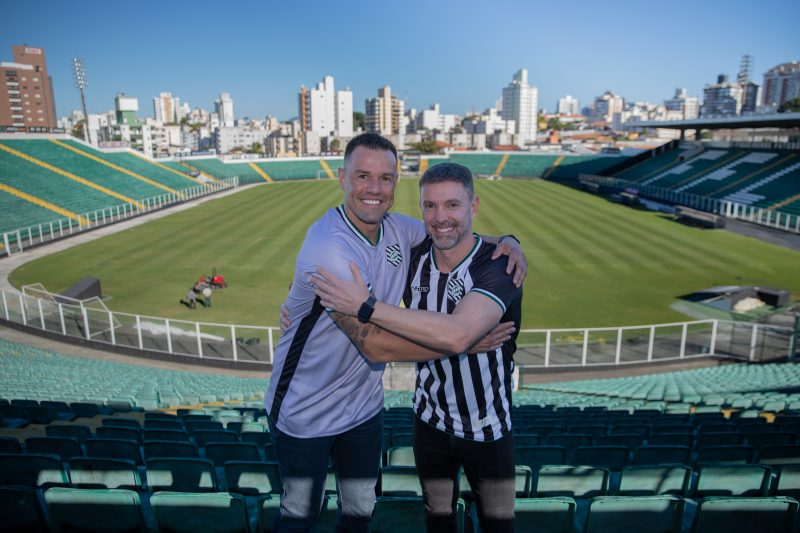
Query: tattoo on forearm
point(355, 330)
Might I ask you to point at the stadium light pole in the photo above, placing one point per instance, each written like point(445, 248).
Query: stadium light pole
point(79, 73)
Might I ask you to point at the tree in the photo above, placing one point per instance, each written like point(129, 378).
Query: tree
point(541, 122)
point(77, 129)
point(254, 148)
point(336, 145)
point(426, 147)
point(790, 106)
point(358, 120)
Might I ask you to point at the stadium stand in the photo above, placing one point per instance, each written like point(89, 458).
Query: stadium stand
point(591, 452)
point(78, 162)
point(214, 167)
point(300, 169)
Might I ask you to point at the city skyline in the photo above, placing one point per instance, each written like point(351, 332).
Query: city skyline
point(261, 54)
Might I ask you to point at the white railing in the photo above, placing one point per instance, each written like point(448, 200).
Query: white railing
point(757, 215)
point(17, 240)
point(536, 348)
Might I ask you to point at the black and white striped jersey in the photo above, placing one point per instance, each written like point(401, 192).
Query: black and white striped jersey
point(468, 396)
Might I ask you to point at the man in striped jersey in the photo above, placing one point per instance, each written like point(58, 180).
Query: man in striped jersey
point(325, 399)
point(462, 402)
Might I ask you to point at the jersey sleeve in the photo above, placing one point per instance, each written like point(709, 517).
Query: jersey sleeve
point(331, 253)
point(412, 229)
point(492, 281)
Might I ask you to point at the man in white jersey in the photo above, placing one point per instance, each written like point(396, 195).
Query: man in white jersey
point(462, 402)
point(325, 399)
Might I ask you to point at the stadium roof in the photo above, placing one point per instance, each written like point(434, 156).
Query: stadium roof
point(773, 120)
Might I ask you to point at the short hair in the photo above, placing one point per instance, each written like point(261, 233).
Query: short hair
point(373, 141)
point(449, 172)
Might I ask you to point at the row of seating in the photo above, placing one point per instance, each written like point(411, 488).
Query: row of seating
point(67, 509)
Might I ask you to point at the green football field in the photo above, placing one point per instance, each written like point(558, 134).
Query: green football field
point(592, 263)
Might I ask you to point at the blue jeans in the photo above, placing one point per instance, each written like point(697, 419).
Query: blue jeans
point(303, 463)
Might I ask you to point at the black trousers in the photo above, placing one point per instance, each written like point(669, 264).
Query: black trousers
point(489, 467)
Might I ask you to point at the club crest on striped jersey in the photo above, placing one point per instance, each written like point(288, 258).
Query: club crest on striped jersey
point(393, 255)
point(455, 289)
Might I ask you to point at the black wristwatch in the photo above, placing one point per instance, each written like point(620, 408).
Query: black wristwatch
point(366, 310)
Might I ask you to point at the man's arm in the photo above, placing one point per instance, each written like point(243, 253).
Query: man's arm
point(517, 262)
point(474, 315)
point(381, 346)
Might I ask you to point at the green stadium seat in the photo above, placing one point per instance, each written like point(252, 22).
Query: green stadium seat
point(400, 481)
point(401, 456)
point(32, 470)
point(113, 449)
point(570, 481)
point(618, 514)
point(119, 432)
point(9, 445)
point(399, 515)
point(74, 431)
point(97, 473)
point(655, 480)
point(535, 456)
point(181, 475)
point(176, 435)
point(733, 480)
point(64, 447)
point(21, 510)
point(775, 514)
point(726, 454)
point(202, 437)
point(94, 510)
point(214, 512)
point(222, 452)
point(662, 455)
point(253, 477)
point(611, 457)
point(168, 448)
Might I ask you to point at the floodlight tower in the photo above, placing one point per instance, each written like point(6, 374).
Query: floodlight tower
point(79, 73)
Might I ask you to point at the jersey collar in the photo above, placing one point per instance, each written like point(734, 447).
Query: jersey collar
point(356, 231)
point(471, 253)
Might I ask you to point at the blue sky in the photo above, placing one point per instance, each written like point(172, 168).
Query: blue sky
point(460, 54)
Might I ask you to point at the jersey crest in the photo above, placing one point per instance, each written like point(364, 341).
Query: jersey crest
point(455, 289)
point(393, 255)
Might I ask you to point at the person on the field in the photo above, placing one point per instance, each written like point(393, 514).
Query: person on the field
point(455, 293)
point(325, 399)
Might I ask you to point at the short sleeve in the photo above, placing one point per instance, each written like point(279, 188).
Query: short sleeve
point(492, 281)
point(331, 253)
point(411, 228)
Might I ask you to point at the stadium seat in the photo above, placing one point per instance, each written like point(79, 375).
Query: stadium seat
point(787, 481)
point(85, 409)
point(662, 455)
point(726, 454)
point(45, 415)
point(121, 423)
point(623, 514)
point(260, 438)
point(214, 512)
point(779, 454)
point(400, 515)
point(535, 456)
point(570, 481)
point(733, 480)
point(655, 480)
point(74, 431)
point(193, 425)
point(253, 477)
point(203, 436)
point(757, 440)
point(402, 439)
point(611, 457)
point(400, 481)
point(174, 435)
point(113, 449)
point(156, 423)
point(222, 452)
point(181, 474)
point(9, 445)
point(401, 456)
point(775, 514)
point(94, 510)
point(32, 470)
point(64, 447)
point(119, 432)
point(630, 441)
point(671, 439)
point(167, 448)
point(98, 473)
point(719, 439)
point(21, 510)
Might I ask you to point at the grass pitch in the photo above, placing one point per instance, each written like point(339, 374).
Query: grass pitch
point(591, 263)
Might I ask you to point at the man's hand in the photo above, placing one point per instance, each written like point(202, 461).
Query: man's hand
point(343, 296)
point(494, 339)
point(285, 320)
point(517, 263)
